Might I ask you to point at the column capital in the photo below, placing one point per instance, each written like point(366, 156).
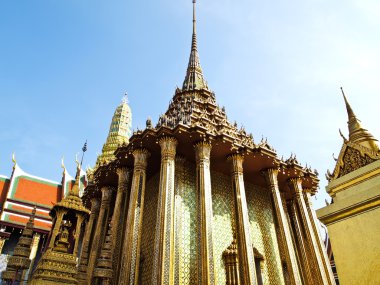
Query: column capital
point(141, 156)
point(202, 151)
point(95, 205)
point(236, 160)
point(270, 175)
point(168, 147)
point(296, 184)
point(123, 174)
point(106, 196)
point(122, 171)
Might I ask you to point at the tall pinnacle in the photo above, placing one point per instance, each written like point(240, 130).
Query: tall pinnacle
point(194, 75)
point(356, 132)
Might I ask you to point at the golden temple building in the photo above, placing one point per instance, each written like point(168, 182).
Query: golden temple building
point(353, 217)
point(195, 200)
point(192, 200)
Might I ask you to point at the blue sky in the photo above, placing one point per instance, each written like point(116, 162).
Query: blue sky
point(277, 67)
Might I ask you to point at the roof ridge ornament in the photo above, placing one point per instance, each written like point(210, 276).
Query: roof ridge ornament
point(14, 160)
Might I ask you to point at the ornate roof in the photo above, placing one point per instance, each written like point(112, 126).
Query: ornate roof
point(359, 150)
point(72, 200)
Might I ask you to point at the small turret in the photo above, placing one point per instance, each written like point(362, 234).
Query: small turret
point(20, 260)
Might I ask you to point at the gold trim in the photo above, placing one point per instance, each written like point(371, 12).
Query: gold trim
point(351, 211)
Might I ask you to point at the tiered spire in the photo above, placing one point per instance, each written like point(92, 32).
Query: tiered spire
point(20, 260)
point(119, 133)
point(194, 76)
point(357, 133)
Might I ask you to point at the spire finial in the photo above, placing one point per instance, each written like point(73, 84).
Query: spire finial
point(356, 132)
point(194, 19)
point(124, 100)
point(350, 112)
point(194, 75)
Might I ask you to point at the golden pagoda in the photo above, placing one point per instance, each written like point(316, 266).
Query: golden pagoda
point(119, 132)
point(195, 200)
point(352, 219)
point(58, 264)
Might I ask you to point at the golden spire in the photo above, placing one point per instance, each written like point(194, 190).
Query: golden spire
point(119, 132)
point(75, 189)
point(194, 75)
point(357, 133)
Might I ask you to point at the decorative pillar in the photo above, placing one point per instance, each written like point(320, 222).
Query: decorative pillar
point(231, 262)
point(163, 266)
point(321, 246)
point(300, 243)
point(314, 254)
point(56, 228)
point(283, 226)
point(103, 271)
point(117, 221)
point(89, 232)
point(129, 269)
point(77, 233)
point(247, 262)
point(205, 240)
point(101, 227)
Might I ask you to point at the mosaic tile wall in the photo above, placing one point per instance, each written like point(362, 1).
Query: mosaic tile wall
point(223, 209)
point(186, 265)
point(263, 232)
point(149, 228)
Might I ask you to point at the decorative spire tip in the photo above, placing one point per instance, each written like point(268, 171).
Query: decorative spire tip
point(125, 100)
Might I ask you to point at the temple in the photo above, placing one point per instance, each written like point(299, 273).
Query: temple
point(353, 216)
point(19, 195)
point(196, 200)
point(193, 199)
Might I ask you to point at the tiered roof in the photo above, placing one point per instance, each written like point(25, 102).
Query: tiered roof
point(22, 191)
point(193, 115)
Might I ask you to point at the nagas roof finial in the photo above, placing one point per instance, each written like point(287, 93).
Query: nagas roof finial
point(194, 74)
point(356, 132)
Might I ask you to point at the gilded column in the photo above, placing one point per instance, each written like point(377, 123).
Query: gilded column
point(205, 240)
point(89, 231)
point(283, 226)
point(117, 218)
point(57, 226)
point(300, 243)
point(313, 251)
point(321, 246)
point(129, 269)
point(163, 266)
point(77, 234)
point(246, 258)
point(99, 231)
